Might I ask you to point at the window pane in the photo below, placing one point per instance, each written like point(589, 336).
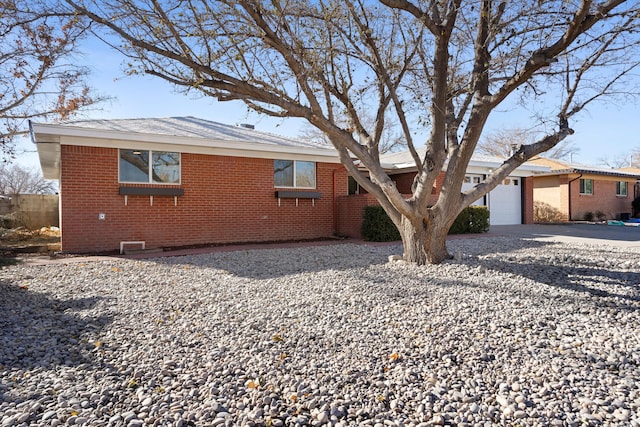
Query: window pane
point(283, 173)
point(586, 186)
point(306, 174)
point(166, 167)
point(134, 166)
point(621, 188)
point(353, 186)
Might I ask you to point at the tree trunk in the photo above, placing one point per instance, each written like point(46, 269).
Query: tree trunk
point(424, 243)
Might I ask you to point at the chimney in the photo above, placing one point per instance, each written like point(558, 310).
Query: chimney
point(247, 126)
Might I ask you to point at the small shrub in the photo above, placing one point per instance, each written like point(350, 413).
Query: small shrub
point(9, 220)
point(588, 216)
point(545, 213)
point(601, 215)
point(377, 226)
point(473, 219)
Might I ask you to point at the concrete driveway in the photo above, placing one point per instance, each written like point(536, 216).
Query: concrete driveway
point(619, 236)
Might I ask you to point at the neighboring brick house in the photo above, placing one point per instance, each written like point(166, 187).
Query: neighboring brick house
point(186, 181)
point(572, 192)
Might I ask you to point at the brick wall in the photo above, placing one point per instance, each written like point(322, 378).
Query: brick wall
point(226, 200)
point(351, 212)
point(404, 182)
point(603, 199)
point(562, 192)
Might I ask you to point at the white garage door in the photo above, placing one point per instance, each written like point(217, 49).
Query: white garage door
point(504, 201)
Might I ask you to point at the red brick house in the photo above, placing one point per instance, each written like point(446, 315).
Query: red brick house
point(183, 181)
point(572, 192)
point(186, 181)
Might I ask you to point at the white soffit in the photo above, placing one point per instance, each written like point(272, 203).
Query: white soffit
point(49, 137)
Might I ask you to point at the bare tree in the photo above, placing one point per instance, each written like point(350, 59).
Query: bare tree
point(616, 162)
point(502, 143)
point(39, 78)
point(439, 67)
point(16, 179)
point(391, 140)
point(628, 159)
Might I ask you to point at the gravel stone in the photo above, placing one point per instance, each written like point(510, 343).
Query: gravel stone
point(509, 332)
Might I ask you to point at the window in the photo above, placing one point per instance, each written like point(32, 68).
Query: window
point(621, 188)
point(146, 166)
point(468, 179)
point(294, 173)
point(586, 186)
point(354, 187)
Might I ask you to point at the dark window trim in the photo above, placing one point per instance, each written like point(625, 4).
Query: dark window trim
point(298, 194)
point(150, 191)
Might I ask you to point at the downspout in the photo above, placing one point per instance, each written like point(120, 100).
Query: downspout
point(569, 191)
point(523, 202)
point(485, 198)
point(335, 203)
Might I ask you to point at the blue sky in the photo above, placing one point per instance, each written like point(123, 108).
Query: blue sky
point(606, 130)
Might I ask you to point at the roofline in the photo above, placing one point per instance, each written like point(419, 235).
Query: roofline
point(526, 169)
point(48, 138)
point(619, 174)
point(58, 132)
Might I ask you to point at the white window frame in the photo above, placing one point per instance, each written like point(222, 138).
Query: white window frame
point(150, 170)
point(295, 173)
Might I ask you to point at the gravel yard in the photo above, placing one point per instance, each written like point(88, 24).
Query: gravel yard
point(511, 332)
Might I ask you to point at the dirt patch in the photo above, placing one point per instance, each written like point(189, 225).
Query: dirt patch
point(22, 240)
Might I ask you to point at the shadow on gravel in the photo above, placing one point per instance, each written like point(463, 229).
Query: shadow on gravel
point(599, 283)
point(37, 331)
point(263, 264)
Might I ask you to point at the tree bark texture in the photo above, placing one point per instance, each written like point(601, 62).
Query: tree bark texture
point(425, 242)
